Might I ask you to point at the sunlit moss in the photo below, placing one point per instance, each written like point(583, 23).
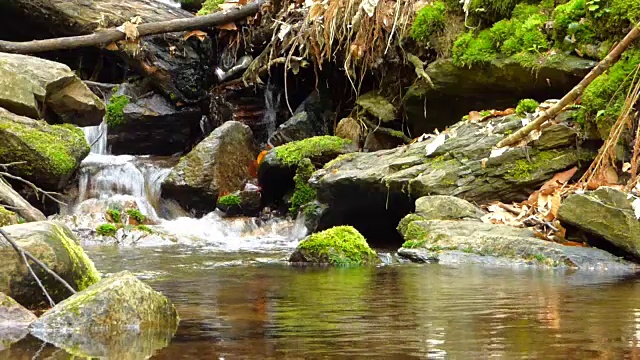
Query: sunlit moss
point(429, 20)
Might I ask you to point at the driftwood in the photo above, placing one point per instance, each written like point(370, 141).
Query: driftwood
point(575, 93)
point(24, 255)
point(18, 204)
point(105, 37)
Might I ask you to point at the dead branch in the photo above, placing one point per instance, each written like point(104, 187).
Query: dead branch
point(108, 36)
point(48, 194)
point(575, 93)
point(24, 209)
point(24, 255)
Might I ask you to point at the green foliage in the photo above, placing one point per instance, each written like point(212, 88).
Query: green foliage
point(210, 6)
point(144, 228)
point(106, 230)
point(303, 193)
point(229, 200)
point(526, 106)
point(290, 154)
point(115, 215)
point(603, 99)
point(136, 215)
point(7, 217)
point(429, 20)
point(412, 244)
point(115, 109)
point(469, 50)
point(489, 11)
point(340, 245)
point(527, 37)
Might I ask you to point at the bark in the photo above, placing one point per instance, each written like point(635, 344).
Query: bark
point(18, 204)
point(577, 91)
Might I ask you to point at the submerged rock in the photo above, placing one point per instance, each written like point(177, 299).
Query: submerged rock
point(606, 213)
point(465, 241)
point(14, 321)
point(277, 169)
point(46, 155)
point(38, 88)
point(218, 164)
point(373, 191)
point(107, 318)
point(341, 245)
point(245, 202)
point(53, 244)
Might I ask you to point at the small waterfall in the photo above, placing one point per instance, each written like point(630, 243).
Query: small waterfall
point(271, 105)
point(97, 137)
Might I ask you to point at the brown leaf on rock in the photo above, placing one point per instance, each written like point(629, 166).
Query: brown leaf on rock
point(112, 47)
point(201, 35)
point(228, 26)
point(475, 116)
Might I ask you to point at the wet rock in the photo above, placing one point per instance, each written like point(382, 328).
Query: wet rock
point(381, 141)
point(106, 317)
point(341, 245)
point(498, 85)
point(442, 207)
point(311, 118)
point(7, 217)
point(174, 65)
point(277, 169)
point(463, 241)
point(55, 245)
point(14, 321)
point(47, 155)
point(606, 213)
point(373, 191)
point(376, 105)
point(38, 88)
point(312, 213)
point(218, 164)
point(245, 202)
point(173, 129)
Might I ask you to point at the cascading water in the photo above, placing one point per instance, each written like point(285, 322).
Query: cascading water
point(125, 181)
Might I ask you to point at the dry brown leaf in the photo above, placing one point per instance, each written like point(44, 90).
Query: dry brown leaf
point(540, 235)
point(316, 11)
point(131, 30)
point(228, 26)
point(474, 116)
point(561, 234)
point(611, 176)
point(112, 47)
point(555, 204)
point(201, 35)
point(557, 180)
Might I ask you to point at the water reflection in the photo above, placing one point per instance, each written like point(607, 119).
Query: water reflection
point(259, 310)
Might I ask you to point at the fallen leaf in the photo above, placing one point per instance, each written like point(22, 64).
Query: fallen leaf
point(228, 26)
point(558, 179)
point(261, 156)
point(474, 116)
point(112, 47)
point(555, 205)
point(253, 168)
point(201, 35)
point(435, 144)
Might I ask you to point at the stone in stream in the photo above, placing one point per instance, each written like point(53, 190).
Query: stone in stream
point(606, 213)
point(373, 191)
point(277, 169)
point(245, 202)
point(38, 88)
point(311, 118)
point(116, 317)
point(55, 245)
point(46, 155)
point(340, 246)
point(14, 321)
point(218, 164)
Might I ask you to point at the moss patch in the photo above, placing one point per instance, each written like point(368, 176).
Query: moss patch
point(302, 193)
point(526, 106)
point(209, 7)
point(136, 215)
point(229, 200)
point(523, 169)
point(115, 109)
point(340, 245)
point(429, 20)
point(290, 154)
point(7, 217)
point(82, 265)
point(114, 215)
point(106, 230)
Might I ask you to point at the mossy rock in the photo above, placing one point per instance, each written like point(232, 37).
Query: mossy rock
point(245, 202)
point(340, 246)
point(56, 246)
point(441, 207)
point(101, 319)
point(376, 105)
point(47, 155)
point(14, 321)
point(8, 217)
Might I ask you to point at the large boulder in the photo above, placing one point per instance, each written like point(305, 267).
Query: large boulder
point(277, 169)
point(54, 245)
point(39, 88)
point(341, 246)
point(606, 213)
point(444, 207)
point(468, 241)
point(179, 67)
point(496, 85)
point(118, 316)
point(218, 164)
point(46, 155)
point(373, 191)
point(133, 115)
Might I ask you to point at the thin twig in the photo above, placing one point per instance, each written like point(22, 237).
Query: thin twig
point(48, 194)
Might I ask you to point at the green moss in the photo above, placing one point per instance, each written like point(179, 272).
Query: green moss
point(526, 106)
point(106, 230)
point(490, 11)
point(116, 215)
point(603, 99)
point(7, 217)
point(229, 200)
point(522, 170)
point(429, 20)
point(413, 244)
point(527, 37)
point(415, 232)
point(210, 6)
point(115, 110)
point(290, 154)
point(302, 193)
point(144, 228)
point(136, 215)
point(340, 245)
point(469, 50)
point(404, 223)
point(568, 20)
point(82, 265)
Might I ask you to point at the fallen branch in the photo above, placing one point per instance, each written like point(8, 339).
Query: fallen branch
point(12, 198)
point(108, 36)
point(575, 93)
point(24, 255)
point(48, 194)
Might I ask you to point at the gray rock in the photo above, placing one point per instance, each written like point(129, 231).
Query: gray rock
point(311, 118)
point(110, 319)
point(376, 140)
point(376, 105)
point(606, 213)
point(248, 203)
point(46, 155)
point(56, 246)
point(30, 85)
point(441, 207)
point(450, 241)
point(218, 164)
point(14, 321)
